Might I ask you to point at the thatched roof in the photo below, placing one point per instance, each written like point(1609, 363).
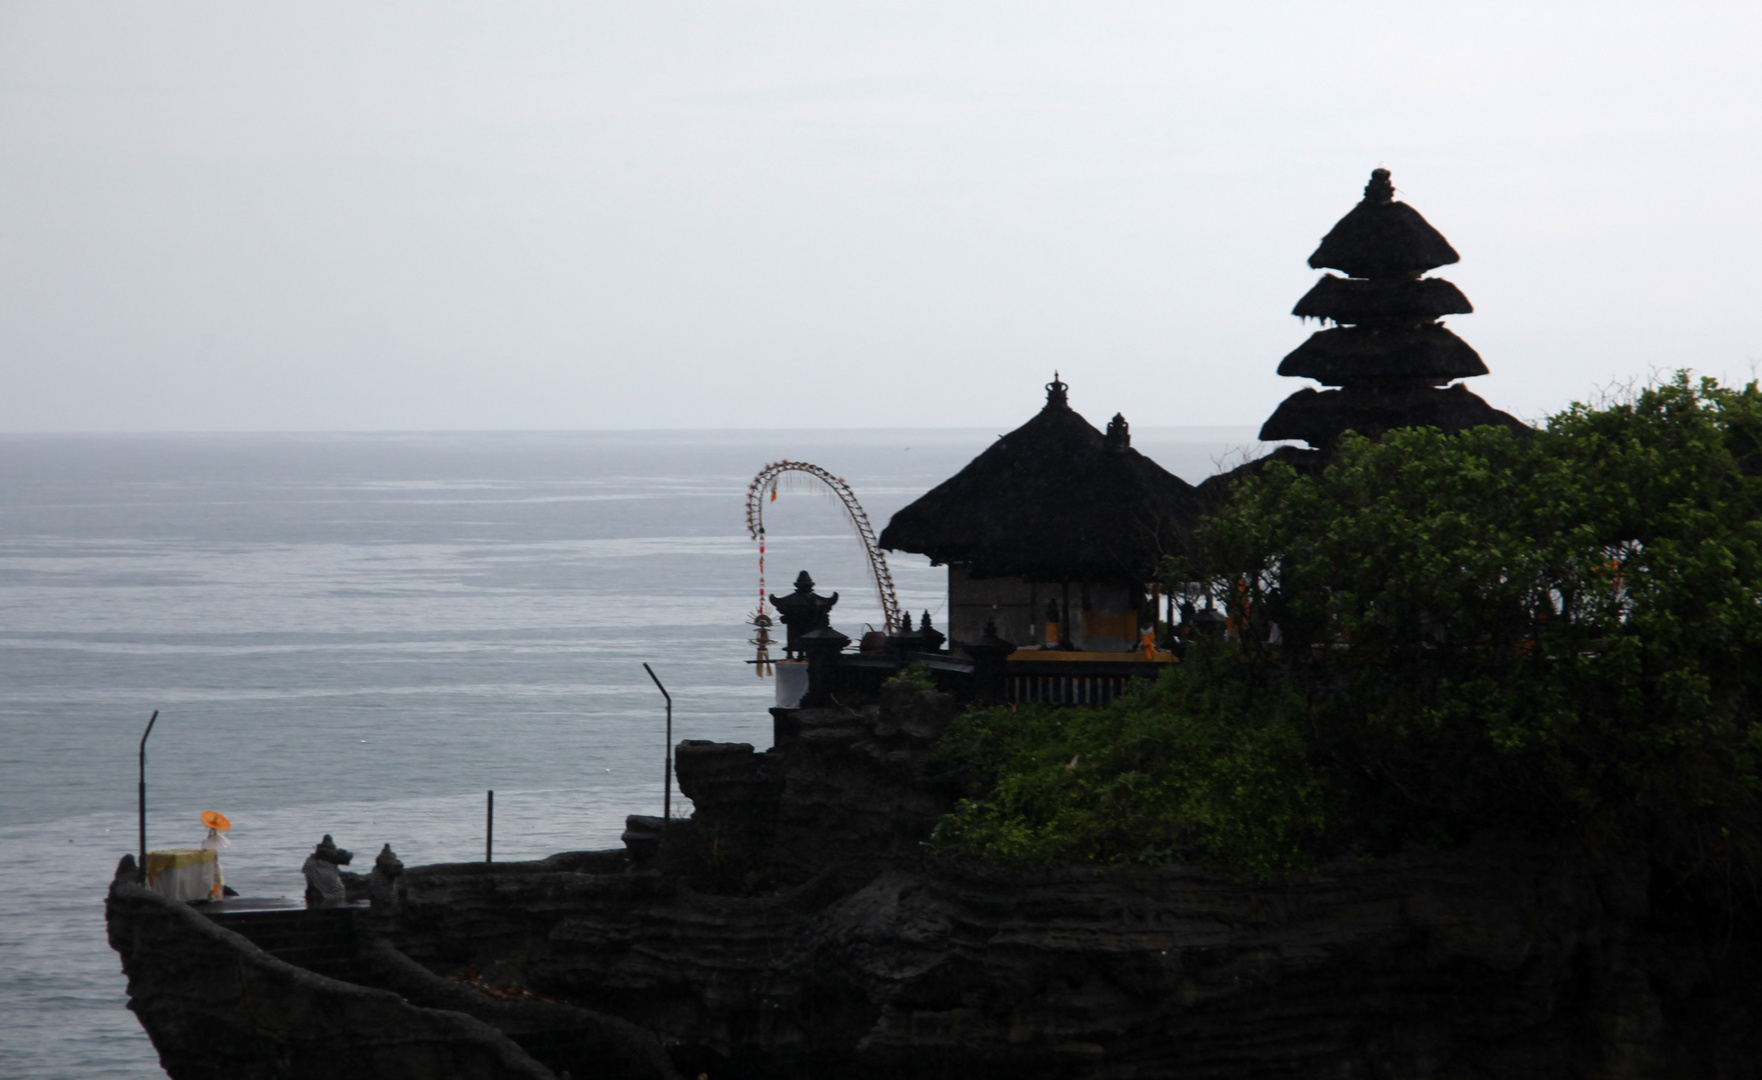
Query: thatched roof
point(1351, 354)
point(1382, 238)
point(1319, 417)
point(1355, 300)
point(1214, 491)
point(1054, 500)
point(1388, 354)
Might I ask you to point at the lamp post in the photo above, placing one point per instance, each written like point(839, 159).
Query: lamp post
point(141, 791)
point(667, 775)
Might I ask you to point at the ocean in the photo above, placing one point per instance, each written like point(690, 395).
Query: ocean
point(362, 634)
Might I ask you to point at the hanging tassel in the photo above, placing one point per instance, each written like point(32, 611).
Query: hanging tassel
point(762, 663)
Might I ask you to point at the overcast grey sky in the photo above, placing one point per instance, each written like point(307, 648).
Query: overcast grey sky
point(440, 215)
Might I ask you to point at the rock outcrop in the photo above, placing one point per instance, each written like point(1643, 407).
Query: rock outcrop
point(217, 1006)
point(847, 791)
point(219, 997)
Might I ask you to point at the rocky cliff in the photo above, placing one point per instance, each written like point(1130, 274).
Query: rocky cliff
point(797, 926)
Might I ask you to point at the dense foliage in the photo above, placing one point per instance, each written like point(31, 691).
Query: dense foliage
point(1440, 635)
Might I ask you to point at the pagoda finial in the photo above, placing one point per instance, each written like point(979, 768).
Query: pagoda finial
point(1380, 189)
point(1119, 433)
point(1055, 392)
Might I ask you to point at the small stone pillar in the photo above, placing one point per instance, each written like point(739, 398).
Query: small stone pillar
point(988, 654)
point(822, 648)
point(906, 642)
point(384, 884)
point(803, 611)
point(933, 638)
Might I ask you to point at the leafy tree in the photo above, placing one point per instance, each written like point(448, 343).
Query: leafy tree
point(1441, 634)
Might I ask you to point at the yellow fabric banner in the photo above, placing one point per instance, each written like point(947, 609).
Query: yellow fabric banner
point(184, 873)
point(158, 862)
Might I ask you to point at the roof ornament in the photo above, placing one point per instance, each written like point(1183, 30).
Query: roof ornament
point(1119, 433)
point(1055, 392)
point(1380, 189)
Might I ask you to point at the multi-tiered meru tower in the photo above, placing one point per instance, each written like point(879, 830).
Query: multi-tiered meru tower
point(1388, 360)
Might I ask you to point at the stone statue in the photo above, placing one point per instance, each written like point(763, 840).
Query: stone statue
point(382, 883)
point(324, 882)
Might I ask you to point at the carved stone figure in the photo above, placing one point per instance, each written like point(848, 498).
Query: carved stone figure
point(382, 883)
point(324, 882)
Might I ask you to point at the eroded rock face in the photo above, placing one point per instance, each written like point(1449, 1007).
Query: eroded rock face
point(1503, 960)
point(295, 994)
point(864, 958)
point(216, 1006)
point(851, 791)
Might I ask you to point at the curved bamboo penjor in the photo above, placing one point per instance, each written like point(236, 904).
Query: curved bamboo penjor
point(879, 575)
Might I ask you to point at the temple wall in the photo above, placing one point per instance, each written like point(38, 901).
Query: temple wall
point(1107, 614)
point(1014, 603)
point(1110, 618)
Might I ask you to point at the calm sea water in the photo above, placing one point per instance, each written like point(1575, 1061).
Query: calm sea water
point(360, 634)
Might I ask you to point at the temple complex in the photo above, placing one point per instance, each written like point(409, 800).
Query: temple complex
point(1055, 535)
point(807, 919)
point(1387, 360)
point(1052, 533)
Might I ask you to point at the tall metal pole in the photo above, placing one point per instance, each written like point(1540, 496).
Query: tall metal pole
point(489, 829)
point(667, 776)
point(141, 867)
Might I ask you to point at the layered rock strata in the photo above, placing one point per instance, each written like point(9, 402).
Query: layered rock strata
point(797, 927)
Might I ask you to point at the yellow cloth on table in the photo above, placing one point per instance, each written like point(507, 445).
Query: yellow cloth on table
point(183, 873)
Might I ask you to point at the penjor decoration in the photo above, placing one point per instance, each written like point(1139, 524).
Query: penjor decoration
point(765, 483)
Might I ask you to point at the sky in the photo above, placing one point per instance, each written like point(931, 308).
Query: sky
point(389, 216)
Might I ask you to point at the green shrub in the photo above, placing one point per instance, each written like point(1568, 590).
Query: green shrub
point(918, 675)
point(1198, 767)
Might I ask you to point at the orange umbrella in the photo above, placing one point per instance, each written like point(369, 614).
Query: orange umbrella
point(214, 819)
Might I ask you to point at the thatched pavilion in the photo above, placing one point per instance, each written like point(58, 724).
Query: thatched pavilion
point(1388, 357)
point(1056, 522)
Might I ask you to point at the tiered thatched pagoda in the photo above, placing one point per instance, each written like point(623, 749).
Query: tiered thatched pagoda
point(1389, 356)
point(1056, 523)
